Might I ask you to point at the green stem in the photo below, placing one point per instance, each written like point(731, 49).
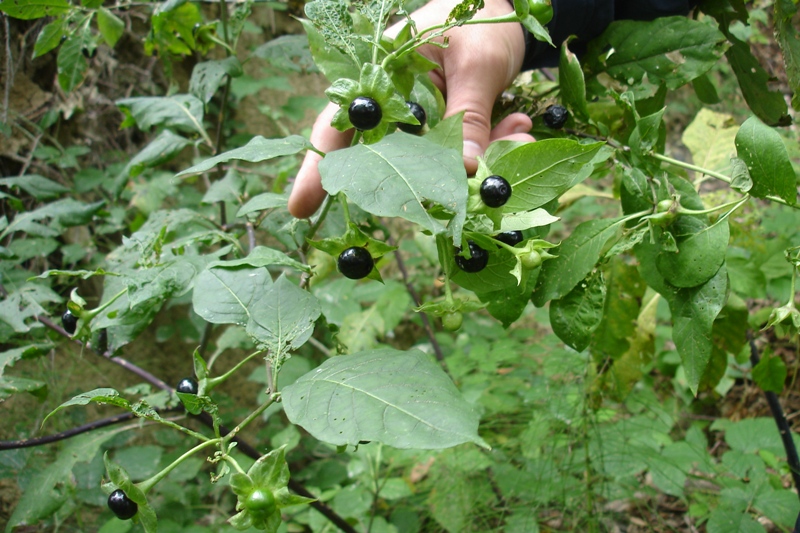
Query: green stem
point(326, 206)
point(442, 247)
point(252, 416)
point(234, 463)
point(713, 174)
point(735, 203)
point(148, 484)
point(97, 310)
point(213, 382)
point(437, 31)
point(345, 208)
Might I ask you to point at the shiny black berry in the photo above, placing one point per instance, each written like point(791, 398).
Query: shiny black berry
point(477, 262)
point(69, 321)
point(187, 386)
point(355, 263)
point(365, 113)
point(121, 505)
point(555, 116)
point(420, 115)
point(511, 238)
point(495, 191)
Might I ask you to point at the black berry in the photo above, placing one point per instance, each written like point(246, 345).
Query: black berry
point(63, 39)
point(187, 385)
point(555, 116)
point(355, 263)
point(121, 505)
point(477, 262)
point(365, 113)
point(69, 321)
point(420, 115)
point(495, 191)
point(511, 238)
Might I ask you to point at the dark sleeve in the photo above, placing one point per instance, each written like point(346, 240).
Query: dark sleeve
point(587, 19)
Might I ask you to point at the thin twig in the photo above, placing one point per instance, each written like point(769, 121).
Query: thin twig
point(91, 426)
point(780, 419)
point(417, 301)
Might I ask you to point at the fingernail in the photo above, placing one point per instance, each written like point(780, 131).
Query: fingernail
point(472, 149)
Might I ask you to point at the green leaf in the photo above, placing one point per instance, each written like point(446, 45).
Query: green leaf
point(37, 186)
point(394, 178)
point(672, 50)
point(762, 148)
point(768, 105)
point(725, 520)
point(34, 9)
point(49, 38)
point(282, 318)
point(257, 150)
point(288, 52)
point(267, 200)
point(160, 150)
point(50, 488)
point(61, 213)
point(270, 471)
point(332, 62)
point(10, 385)
point(101, 396)
point(526, 220)
point(72, 66)
point(448, 133)
point(542, 171)
point(770, 374)
point(570, 79)
point(698, 258)
point(111, 26)
point(228, 189)
point(402, 399)
point(262, 256)
point(576, 316)
point(576, 257)
point(208, 76)
point(693, 313)
point(183, 112)
point(225, 295)
point(705, 90)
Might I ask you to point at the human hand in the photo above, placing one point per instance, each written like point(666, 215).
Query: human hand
point(479, 63)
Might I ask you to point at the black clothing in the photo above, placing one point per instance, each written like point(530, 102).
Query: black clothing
point(588, 18)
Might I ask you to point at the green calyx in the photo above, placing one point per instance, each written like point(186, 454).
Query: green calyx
point(375, 83)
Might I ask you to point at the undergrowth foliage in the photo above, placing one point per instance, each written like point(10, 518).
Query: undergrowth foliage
point(647, 261)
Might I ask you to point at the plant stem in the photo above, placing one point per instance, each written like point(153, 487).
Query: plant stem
point(252, 416)
point(148, 484)
point(213, 382)
point(713, 174)
point(736, 205)
point(780, 420)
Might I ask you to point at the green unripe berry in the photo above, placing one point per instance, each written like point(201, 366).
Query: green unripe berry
point(531, 259)
point(452, 321)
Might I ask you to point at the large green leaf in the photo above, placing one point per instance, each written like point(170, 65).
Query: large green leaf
point(160, 150)
point(572, 83)
point(768, 105)
point(208, 76)
point(34, 9)
point(698, 258)
point(577, 315)
point(402, 399)
point(257, 150)
point(224, 295)
point(37, 186)
point(576, 257)
point(398, 176)
point(282, 318)
point(183, 112)
point(61, 213)
point(542, 171)
point(762, 149)
point(72, 66)
point(673, 50)
point(49, 38)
